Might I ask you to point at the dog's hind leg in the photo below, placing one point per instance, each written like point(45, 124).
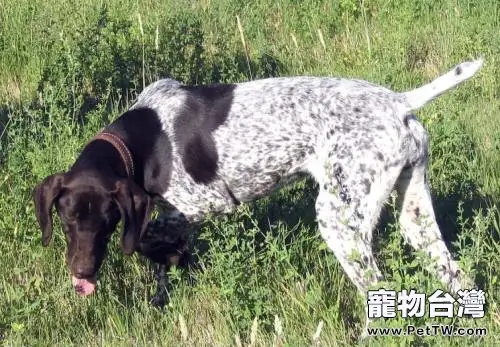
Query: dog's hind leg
point(352, 193)
point(420, 228)
point(418, 223)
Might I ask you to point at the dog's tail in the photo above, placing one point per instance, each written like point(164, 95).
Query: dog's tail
point(419, 97)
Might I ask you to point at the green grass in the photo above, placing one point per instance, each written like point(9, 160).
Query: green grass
point(69, 67)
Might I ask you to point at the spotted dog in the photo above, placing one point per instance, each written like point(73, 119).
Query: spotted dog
point(206, 149)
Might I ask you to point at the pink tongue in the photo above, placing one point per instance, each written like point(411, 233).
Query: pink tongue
point(83, 286)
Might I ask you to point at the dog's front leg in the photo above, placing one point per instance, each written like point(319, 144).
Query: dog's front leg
point(162, 295)
point(164, 243)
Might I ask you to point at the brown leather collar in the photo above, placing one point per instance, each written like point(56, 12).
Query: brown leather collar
point(121, 148)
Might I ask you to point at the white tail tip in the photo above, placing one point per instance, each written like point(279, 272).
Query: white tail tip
point(423, 95)
point(468, 69)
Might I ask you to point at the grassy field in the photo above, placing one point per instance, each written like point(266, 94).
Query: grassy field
point(265, 278)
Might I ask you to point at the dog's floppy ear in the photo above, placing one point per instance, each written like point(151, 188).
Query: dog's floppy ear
point(44, 196)
point(135, 207)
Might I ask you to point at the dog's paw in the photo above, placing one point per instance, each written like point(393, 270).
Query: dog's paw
point(458, 280)
point(158, 301)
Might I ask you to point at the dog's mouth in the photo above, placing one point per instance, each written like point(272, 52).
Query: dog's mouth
point(84, 286)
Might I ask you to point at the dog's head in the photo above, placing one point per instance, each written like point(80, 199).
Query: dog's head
point(90, 207)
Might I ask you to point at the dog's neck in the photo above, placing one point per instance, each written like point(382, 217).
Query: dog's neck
point(122, 149)
point(140, 131)
point(101, 157)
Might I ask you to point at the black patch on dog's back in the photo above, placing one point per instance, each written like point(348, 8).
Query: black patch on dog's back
point(206, 108)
